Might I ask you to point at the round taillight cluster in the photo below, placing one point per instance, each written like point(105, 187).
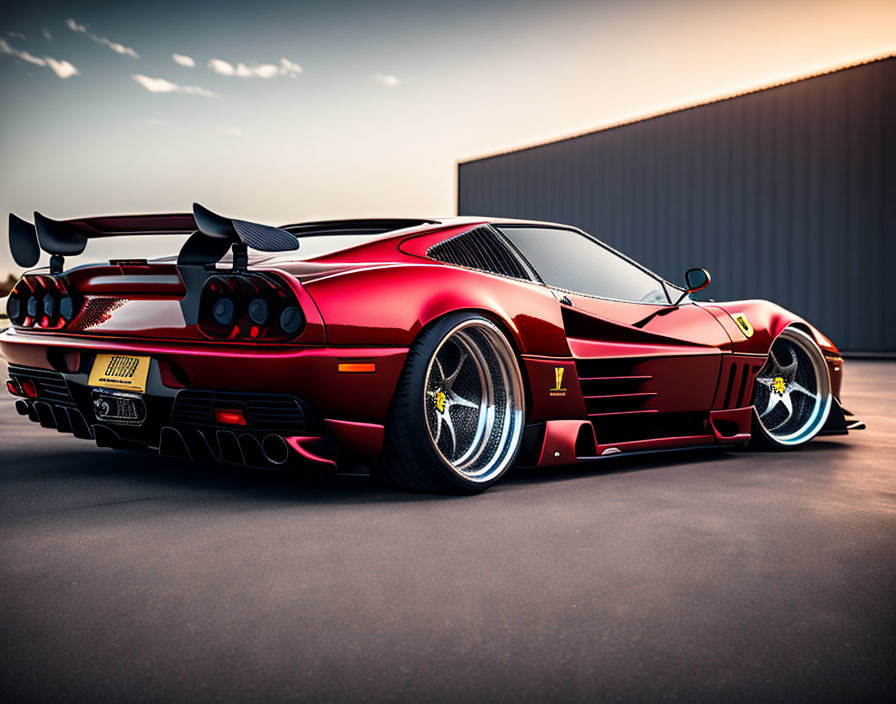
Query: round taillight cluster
point(41, 302)
point(250, 306)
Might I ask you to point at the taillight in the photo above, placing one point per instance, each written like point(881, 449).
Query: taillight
point(251, 305)
point(291, 320)
point(41, 301)
point(227, 416)
point(258, 311)
point(223, 310)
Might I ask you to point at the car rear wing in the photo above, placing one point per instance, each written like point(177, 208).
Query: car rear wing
point(212, 235)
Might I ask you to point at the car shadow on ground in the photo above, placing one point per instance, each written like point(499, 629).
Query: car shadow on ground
point(143, 472)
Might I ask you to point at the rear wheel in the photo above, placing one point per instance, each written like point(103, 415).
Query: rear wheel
point(792, 394)
point(457, 418)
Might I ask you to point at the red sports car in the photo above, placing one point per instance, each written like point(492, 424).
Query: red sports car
point(436, 352)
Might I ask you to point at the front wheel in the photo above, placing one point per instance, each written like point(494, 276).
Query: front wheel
point(457, 418)
point(792, 394)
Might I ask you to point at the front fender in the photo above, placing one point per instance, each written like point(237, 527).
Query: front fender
point(768, 320)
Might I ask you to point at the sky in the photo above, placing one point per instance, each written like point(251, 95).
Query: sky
point(287, 111)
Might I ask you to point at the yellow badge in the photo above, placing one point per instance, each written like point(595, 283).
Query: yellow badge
point(779, 386)
point(440, 401)
point(558, 389)
point(743, 324)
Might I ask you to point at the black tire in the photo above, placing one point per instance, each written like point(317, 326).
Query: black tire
point(418, 452)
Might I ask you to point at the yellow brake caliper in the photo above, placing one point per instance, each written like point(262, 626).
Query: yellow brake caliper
point(779, 386)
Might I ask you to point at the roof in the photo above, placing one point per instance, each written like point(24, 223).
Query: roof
point(688, 106)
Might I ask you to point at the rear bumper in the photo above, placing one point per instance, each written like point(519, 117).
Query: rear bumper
point(311, 373)
point(335, 415)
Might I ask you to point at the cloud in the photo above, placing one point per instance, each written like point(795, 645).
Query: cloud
point(63, 69)
point(47, 35)
point(289, 67)
point(285, 68)
point(114, 46)
point(17, 35)
point(387, 80)
point(5, 48)
point(161, 85)
point(221, 66)
point(183, 60)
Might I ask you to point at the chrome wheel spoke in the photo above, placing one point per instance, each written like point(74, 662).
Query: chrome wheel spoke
point(781, 370)
point(441, 379)
point(455, 400)
point(438, 428)
point(449, 382)
point(445, 419)
point(798, 387)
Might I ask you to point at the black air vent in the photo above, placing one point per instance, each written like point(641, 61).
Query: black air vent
point(265, 411)
point(479, 249)
point(50, 386)
point(613, 387)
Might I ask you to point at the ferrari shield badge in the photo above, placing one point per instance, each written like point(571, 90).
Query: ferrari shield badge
point(779, 386)
point(743, 324)
point(558, 389)
point(440, 399)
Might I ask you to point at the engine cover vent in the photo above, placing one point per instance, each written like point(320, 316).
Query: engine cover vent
point(480, 249)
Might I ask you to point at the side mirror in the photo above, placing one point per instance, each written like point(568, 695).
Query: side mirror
point(695, 280)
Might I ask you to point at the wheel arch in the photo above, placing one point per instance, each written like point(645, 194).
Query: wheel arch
point(507, 329)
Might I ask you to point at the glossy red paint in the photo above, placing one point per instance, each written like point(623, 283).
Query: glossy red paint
point(311, 450)
point(613, 376)
point(731, 426)
point(560, 437)
point(364, 439)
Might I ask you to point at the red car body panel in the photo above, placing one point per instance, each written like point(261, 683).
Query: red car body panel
point(600, 375)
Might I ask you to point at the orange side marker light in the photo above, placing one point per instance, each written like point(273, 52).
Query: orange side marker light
point(356, 367)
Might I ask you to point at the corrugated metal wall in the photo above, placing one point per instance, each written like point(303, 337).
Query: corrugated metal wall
point(787, 194)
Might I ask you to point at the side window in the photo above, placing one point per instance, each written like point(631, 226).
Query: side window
point(569, 260)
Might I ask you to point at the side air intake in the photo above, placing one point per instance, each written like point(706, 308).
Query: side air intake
point(479, 248)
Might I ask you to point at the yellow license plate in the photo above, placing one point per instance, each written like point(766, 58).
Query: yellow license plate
point(115, 371)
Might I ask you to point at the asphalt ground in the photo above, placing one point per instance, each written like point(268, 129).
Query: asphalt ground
point(707, 576)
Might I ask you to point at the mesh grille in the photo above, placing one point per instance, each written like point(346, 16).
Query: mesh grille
point(479, 249)
point(96, 312)
point(265, 411)
point(50, 386)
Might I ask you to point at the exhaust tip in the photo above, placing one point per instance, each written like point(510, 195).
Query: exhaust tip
point(276, 451)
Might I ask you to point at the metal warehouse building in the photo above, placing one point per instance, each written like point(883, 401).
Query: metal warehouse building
point(786, 193)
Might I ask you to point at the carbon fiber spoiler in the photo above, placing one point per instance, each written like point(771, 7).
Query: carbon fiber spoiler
point(212, 235)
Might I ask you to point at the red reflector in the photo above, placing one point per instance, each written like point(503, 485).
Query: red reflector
point(357, 367)
point(228, 417)
point(29, 389)
point(13, 388)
